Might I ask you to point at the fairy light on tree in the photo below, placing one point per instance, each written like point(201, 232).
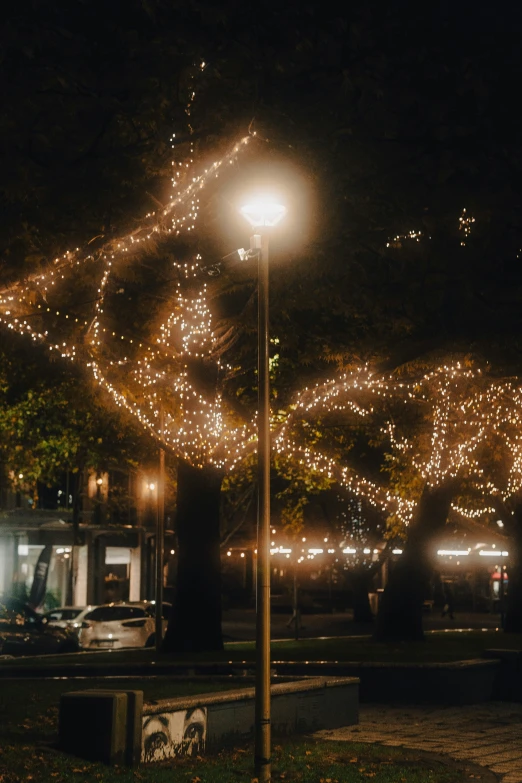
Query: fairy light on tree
point(141, 370)
point(465, 224)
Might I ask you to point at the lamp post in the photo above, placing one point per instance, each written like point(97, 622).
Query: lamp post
point(262, 213)
point(160, 543)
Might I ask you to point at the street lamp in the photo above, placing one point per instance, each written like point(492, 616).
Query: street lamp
point(263, 213)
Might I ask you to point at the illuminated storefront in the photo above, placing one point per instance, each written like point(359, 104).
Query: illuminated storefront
point(107, 564)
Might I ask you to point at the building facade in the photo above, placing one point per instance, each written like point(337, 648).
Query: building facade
point(99, 561)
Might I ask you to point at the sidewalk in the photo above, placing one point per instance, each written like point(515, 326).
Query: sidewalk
point(240, 624)
point(486, 734)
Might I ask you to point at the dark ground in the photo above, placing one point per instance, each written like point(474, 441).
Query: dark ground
point(239, 624)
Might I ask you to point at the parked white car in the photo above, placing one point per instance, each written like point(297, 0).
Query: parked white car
point(67, 616)
point(117, 625)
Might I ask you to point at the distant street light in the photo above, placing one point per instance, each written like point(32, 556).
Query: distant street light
point(263, 213)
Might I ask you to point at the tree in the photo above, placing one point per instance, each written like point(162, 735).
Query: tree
point(501, 483)
point(446, 439)
point(187, 370)
point(361, 528)
point(52, 422)
point(379, 109)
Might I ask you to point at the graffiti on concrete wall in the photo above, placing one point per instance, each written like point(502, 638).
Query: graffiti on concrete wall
point(171, 734)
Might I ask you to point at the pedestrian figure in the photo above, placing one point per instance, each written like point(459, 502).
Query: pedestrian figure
point(449, 601)
point(295, 619)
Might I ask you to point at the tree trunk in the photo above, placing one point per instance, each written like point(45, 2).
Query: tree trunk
point(513, 621)
point(195, 625)
point(400, 612)
point(362, 582)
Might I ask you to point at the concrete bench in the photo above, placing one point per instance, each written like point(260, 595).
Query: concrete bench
point(449, 682)
point(102, 725)
point(117, 727)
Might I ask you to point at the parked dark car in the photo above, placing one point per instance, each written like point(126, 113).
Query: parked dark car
point(24, 632)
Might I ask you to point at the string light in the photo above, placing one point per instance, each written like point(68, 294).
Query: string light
point(200, 434)
point(465, 224)
point(411, 235)
point(196, 429)
point(464, 411)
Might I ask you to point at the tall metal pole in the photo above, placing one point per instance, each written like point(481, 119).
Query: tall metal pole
point(297, 619)
point(160, 543)
point(263, 768)
point(501, 596)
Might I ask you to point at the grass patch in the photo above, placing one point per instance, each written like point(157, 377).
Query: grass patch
point(449, 646)
point(29, 708)
point(302, 761)
point(28, 733)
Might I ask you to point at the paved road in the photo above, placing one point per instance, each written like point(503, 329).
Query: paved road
point(487, 734)
point(239, 624)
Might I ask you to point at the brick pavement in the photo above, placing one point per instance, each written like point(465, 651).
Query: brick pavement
point(488, 734)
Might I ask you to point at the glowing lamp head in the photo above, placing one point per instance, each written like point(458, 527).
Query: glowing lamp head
point(263, 212)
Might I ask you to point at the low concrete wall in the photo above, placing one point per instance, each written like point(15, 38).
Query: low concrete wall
point(102, 725)
point(508, 683)
point(181, 726)
point(454, 682)
point(116, 727)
